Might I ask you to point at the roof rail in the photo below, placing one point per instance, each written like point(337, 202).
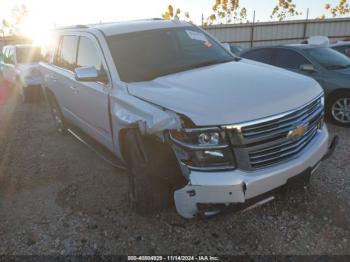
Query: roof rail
point(72, 27)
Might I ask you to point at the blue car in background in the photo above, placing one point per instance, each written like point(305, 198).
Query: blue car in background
point(342, 47)
point(328, 67)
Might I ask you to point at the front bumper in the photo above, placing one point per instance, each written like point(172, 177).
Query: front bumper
point(238, 186)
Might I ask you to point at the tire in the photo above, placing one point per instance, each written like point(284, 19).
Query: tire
point(338, 109)
point(151, 169)
point(58, 118)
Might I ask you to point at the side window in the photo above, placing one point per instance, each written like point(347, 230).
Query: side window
point(66, 55)
point(289, 59)
point(89, 56)
point(260, 55)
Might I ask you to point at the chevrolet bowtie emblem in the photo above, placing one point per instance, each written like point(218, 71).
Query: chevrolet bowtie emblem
point(297, 133)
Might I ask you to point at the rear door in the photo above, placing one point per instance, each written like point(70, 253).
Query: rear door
point(61, 78)
point(292, 60)
point(289, 59)
point(91, 98)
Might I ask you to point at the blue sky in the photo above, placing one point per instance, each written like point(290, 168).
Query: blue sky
point(64, 12)
point(263, 8)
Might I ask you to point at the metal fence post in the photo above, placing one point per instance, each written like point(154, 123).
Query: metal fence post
point(305, 24)
point(252, 31)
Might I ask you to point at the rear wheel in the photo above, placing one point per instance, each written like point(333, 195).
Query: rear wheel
point(338, 109)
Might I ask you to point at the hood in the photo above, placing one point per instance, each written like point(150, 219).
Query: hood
point(229, 93)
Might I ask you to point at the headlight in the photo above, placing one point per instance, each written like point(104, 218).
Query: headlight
point(203, 149)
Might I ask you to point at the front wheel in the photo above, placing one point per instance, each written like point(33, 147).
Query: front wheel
point(339, 109)
point(152, 171)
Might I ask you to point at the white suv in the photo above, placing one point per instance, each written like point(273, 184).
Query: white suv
point(191, 122)
point(20, 67)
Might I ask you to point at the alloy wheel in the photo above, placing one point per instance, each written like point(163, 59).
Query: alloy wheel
point(341, 110)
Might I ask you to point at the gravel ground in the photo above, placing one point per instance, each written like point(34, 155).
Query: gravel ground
point(58, 197)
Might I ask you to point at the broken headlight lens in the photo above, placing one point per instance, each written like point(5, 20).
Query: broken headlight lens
point(203, 149)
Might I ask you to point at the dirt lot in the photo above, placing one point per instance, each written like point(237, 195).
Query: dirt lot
point(57, 197)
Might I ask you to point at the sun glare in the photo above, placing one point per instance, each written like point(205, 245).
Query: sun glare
point(38, 32)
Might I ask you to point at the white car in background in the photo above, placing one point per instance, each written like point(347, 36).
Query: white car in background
point(20, 67)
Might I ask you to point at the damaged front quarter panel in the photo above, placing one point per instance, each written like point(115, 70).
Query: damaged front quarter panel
point(128, 111)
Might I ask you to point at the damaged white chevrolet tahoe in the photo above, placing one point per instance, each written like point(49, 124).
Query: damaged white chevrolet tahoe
point(192, 123)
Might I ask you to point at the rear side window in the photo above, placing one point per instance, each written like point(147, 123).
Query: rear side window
point(288, 59)
point(260, 55)
point(66, 55)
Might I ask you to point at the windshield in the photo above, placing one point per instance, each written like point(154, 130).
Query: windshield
point(26, 55)
point(329, 58)
point(146, 55)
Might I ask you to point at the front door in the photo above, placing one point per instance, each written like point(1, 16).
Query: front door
point(89, 100)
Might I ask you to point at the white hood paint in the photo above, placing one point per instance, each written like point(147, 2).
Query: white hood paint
point(229, 93)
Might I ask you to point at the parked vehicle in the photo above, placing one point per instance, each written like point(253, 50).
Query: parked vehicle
point(342, 47)
point(328, 67)
point(235, 49)
point(186, 117)
point(20, 66)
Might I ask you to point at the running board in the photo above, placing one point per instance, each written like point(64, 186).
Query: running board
point(104, 154)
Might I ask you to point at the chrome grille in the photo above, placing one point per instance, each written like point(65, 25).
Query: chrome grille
point(265, 143)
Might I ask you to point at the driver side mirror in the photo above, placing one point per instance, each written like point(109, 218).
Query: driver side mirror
point(89, 74)
point(308, 68)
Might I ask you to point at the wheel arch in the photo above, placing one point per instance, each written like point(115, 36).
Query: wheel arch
point(335, 92)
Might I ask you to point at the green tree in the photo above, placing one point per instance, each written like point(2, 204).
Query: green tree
point(227, 11)
point(283, 9)
point(5, 27)
point(342, 8)
point(19, 13)
point(170, 14)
